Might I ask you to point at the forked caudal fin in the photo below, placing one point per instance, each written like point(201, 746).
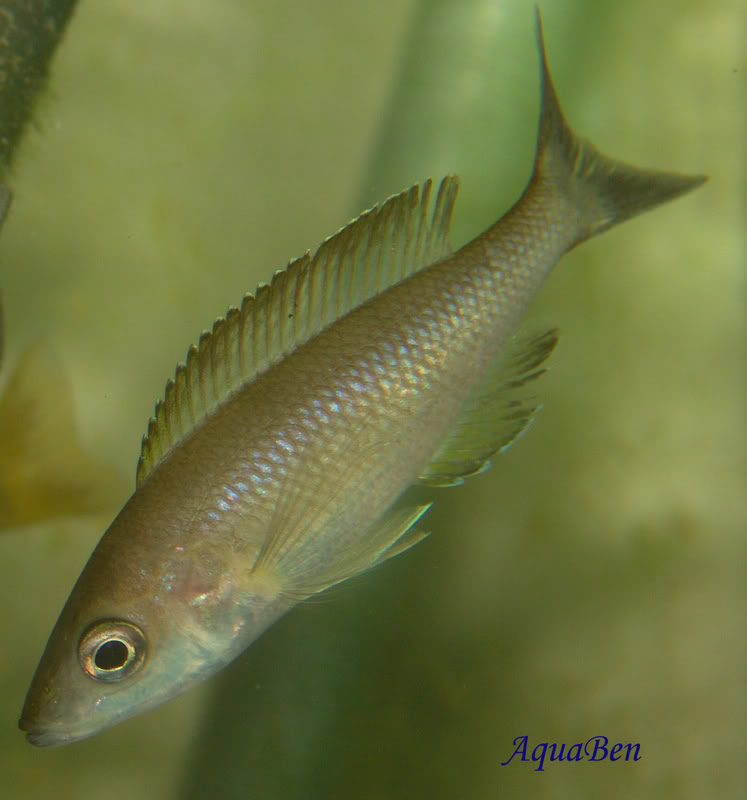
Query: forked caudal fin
point(601, 191)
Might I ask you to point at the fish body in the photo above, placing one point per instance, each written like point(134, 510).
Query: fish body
point(271, 467)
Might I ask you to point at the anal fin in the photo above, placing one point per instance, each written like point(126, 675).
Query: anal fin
point(495, 416)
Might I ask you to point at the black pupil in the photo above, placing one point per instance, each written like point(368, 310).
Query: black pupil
point(111, 655)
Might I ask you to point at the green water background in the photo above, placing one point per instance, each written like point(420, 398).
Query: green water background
point(593, 581)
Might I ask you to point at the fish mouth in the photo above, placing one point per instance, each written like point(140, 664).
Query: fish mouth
point(42, 738)
point(50, 736)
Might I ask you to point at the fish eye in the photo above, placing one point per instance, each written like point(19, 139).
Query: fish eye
point(112, 650)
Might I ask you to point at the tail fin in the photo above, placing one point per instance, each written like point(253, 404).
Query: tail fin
point(603, 191)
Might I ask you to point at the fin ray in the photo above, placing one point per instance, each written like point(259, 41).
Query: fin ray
point(299, 517)
point(381, 247)
point(298, 553)
point(600, 191)
point(494, 417)
point(391, 536)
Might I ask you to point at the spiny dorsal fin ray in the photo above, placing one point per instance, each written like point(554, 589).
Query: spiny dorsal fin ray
point(378, 249)
point(494, 417)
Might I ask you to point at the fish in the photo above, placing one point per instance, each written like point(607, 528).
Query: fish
point(272, 467)
point(45, 474)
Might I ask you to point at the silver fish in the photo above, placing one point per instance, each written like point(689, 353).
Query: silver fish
point(271, 466)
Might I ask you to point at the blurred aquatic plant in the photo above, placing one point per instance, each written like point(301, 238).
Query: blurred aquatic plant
point(30, 31)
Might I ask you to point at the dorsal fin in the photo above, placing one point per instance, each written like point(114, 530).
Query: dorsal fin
point(378, 249)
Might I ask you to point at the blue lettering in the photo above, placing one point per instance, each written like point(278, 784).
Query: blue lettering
point(596, 748)
point(520, 749)
point(578, 755)
point(615, 750)
point(560, 753)
point(600, 743)
point(637, 756)
point(541, 758)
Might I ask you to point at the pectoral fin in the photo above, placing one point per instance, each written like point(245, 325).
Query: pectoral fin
point(302, 556)
point(389, 537)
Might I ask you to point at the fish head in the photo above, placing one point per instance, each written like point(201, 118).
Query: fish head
point(131, 638)
point(89, 680)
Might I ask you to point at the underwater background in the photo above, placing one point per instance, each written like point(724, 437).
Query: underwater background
point(591, 583)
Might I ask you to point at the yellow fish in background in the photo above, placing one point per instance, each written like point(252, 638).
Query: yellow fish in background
point(44, 473)
point(271, 467)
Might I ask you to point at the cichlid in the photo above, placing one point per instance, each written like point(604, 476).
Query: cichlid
point(271, 466)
